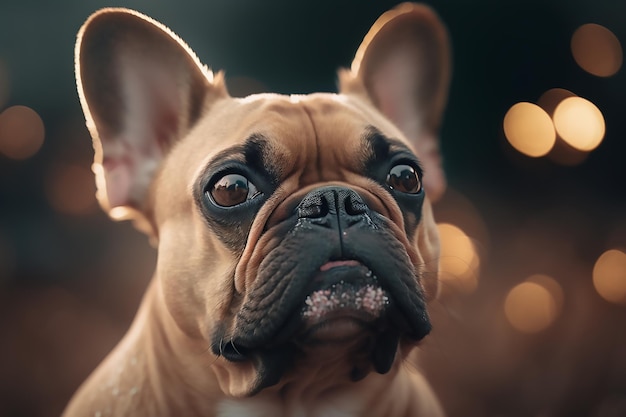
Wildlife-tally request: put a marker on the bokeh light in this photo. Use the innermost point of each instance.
(609, 276)
(456, 208)
(459, 261)
(553, 287)
(561, 153)
(580, 123)
(71, 189)
(530, 307)
(552, 98)
(21, 132)
(529, 129)
(597, 50)
(564, 154)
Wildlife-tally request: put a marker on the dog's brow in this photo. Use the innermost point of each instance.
(380, 146)
(252, 153)
(376, 142)
(254, 150)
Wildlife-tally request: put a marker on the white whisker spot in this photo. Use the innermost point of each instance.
(369, 298)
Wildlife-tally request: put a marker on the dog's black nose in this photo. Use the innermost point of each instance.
(324, 206)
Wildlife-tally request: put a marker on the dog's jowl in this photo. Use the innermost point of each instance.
(297, 249)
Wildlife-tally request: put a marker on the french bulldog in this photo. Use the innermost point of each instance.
(297, 249)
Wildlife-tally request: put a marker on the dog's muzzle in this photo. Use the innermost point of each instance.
(338, 273)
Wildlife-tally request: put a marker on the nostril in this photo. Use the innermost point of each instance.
(354, 205)
(313, 207)
(352, 202)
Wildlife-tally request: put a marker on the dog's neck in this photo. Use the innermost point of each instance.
(154, 368)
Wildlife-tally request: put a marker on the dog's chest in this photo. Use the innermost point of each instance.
(263, 407)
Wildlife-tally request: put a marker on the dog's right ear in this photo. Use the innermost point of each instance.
(141, 89)
(403, 68)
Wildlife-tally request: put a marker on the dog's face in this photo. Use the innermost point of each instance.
(290, 229)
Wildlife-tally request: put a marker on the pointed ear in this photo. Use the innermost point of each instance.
(141, 89)
(403, 68)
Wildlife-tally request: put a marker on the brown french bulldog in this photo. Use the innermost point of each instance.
(296, 245)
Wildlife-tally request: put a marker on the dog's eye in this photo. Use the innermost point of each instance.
(233, 189)
(404, 178)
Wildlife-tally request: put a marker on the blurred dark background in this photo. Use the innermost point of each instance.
(507, 341)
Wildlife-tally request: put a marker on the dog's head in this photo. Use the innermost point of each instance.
(288, 227)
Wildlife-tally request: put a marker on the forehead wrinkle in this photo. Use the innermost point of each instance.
(316, 142)
(337, 126)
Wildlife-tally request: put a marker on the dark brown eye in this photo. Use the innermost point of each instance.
(233, 189)
(404, 178)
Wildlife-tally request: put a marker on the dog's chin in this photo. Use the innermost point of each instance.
(345, 328)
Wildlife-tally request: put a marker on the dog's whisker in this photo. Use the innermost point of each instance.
(235, 348)
(222, 346)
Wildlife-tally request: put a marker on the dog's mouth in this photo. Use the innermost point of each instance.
(339, 301)
(343, 308)
(346, 300)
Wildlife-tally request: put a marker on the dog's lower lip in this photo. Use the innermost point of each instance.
(334, 264)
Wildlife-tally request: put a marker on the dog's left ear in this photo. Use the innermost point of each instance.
(403, 68)
(142, 89)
